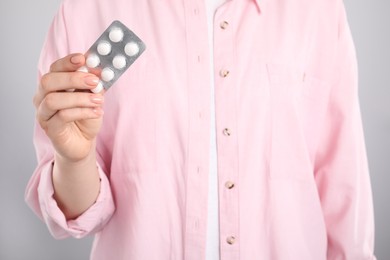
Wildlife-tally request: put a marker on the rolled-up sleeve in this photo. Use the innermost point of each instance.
(39, 191)
(39, 195)
(342, 172)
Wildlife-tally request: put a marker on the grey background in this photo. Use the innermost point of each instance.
(23, 25)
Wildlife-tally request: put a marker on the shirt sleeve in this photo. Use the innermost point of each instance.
(39, 191)
(341, 167)
(39, 196)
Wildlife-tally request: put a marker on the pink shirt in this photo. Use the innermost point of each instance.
(292, 169)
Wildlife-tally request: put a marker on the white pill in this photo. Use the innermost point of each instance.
(119, 62)
(104, 48)
(98, 88)
(131, 49)
(107, 74)
(93, 61)
(116, 34)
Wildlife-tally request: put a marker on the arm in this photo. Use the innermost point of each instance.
(68, 188)
(341, 168)
(71, 120)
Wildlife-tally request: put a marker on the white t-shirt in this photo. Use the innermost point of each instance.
(212, 247)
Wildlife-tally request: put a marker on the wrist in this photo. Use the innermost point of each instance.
(71, 162)
(77, 159)
(69, 167)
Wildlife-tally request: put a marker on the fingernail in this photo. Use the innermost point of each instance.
(77, 59)
(97, 99)
(98, 111)
(91, 80)
(83, 69)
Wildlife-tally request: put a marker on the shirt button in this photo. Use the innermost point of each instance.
(224, 73)
(226, 132)
(229, 185)
(230, 240)
(224, 25)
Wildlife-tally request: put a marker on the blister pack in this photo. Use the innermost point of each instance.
(112, 54)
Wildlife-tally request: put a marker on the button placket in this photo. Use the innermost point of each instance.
(224, 72)
(227, 140)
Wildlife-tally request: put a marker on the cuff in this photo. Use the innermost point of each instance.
(91, 221)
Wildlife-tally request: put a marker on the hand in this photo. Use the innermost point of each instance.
(70, 119)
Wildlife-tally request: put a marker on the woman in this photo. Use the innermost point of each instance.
(236, 134)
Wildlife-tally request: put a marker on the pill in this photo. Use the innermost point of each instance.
(116, 34)
(104, 48)
(99, 87)
(107, 74)
(93, 61)
(131, 49)
(119, 62)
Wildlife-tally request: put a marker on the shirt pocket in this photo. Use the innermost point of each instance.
(290, 155)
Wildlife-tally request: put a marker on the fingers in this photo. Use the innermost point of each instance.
(57, 123)
(69, 63)
(75, 114)
(59, 81)
(69, 115)
(52, 101)
(64, 77)
(58, 101)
